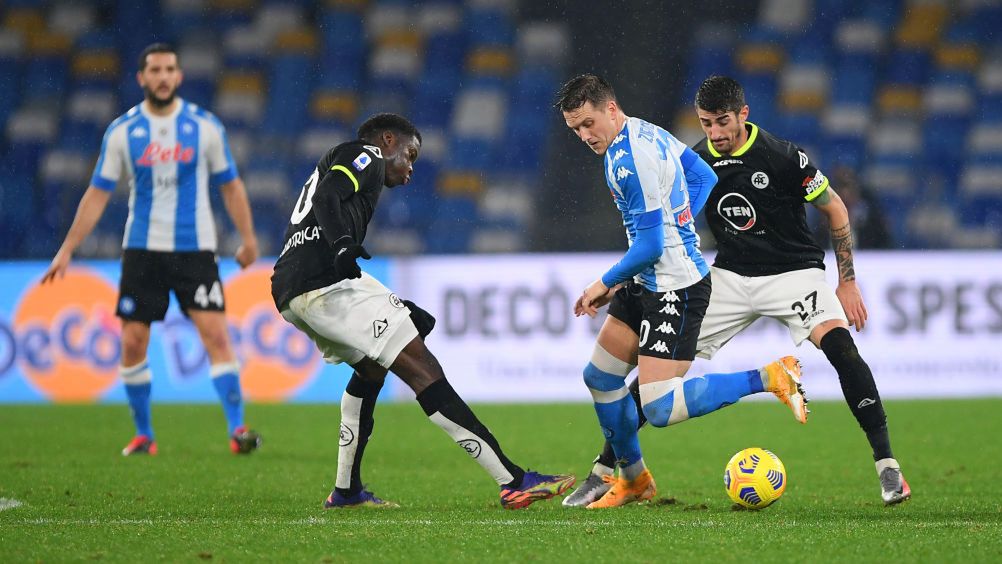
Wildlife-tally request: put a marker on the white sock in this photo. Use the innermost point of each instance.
(632, 471)
(351, 413)
(885, 463)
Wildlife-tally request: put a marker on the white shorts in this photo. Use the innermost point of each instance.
(801, 299)
(354, 319)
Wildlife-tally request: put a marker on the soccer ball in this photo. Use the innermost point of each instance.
(755, 478)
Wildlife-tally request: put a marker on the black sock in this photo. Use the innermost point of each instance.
(446, 409)
(859, 389)
(368, 391)
(608, 457)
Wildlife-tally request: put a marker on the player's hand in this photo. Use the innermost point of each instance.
(852, 302)
(247, 253)
(596, 295)
(344, 260)
(57, 268)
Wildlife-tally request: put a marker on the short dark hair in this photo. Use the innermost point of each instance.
(156, 48)
(377, 124)
(581, 89)
(720, 94)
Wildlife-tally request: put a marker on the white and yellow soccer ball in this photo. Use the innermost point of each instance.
(755, 478)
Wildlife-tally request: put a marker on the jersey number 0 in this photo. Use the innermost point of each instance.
(305, 202)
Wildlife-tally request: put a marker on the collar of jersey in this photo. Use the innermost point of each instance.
(752, 135)
(172, 115)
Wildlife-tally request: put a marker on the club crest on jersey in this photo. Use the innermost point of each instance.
(737, 211)
(361, 161)
(155, 153)
(760, 180)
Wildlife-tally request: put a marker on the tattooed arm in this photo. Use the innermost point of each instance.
(830, 204)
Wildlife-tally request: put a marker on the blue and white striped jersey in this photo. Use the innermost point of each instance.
(644, 173)
(170, 162)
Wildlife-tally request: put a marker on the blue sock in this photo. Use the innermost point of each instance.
(226, 380)
(617, 413)
(137, 381)
(699, 395)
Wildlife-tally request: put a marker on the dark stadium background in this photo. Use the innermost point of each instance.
(896, 100)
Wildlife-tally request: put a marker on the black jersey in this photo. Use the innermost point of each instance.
(353, 173)
(756, 210)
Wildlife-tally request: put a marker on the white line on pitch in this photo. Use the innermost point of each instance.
(8, 503)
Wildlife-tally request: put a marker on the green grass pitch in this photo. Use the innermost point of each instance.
(81, 500)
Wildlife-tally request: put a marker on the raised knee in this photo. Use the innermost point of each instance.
(656, 416)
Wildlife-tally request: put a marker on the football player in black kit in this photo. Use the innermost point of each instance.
(353, 318)
(768, 264)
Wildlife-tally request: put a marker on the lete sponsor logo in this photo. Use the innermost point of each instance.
(155, 153)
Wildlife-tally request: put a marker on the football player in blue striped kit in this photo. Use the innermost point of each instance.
(170, 151)
(657, 293)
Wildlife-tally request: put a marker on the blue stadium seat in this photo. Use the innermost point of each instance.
(289, 94)
(454, 224)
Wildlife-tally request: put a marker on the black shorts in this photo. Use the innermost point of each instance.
(667, 323)
(149, 276)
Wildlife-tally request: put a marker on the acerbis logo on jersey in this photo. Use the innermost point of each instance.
(737, 211)
(375, 150)
(760, 180)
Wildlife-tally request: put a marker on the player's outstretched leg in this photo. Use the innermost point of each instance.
(861, 394)
(357, 406)
(667, 402)
(138, 381)
(420, 370)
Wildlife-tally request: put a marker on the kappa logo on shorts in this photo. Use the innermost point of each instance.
(396, 302)
(379, 327)
(666, 329)
(660, 347)
(346, 436)
(670, 297)
(670, 309)
(471, 446)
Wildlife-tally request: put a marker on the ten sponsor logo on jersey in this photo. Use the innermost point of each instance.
(737, 211)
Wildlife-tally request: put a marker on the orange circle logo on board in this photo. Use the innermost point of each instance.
(69, 336)
(277, 359)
